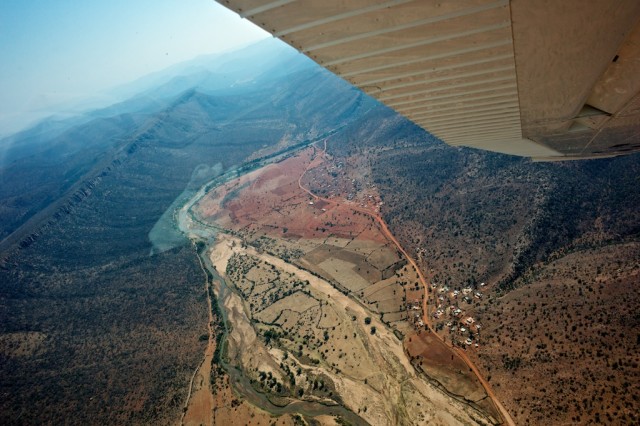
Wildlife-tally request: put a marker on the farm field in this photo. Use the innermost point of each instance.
(267, 209)
(329, 307)
(309, 341)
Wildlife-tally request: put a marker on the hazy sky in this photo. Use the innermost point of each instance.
(53, 51)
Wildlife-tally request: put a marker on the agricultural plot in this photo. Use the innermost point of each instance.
(346, 247)
(300, 322)
(321, 345)
(328, 335)
(345, 273)
(294, 307)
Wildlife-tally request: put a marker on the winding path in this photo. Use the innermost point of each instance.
(385, 229)
(198, 406)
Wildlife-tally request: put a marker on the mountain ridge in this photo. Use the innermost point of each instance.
(84, 288)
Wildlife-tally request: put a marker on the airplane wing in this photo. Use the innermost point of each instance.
(546, 79)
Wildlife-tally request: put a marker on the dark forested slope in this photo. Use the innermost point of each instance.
(94, 328)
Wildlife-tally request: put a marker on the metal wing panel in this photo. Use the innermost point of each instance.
(506, 76)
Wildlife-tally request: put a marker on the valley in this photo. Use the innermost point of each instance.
(102, 303)
(325, 304)
(281, 249)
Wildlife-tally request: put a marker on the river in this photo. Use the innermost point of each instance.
(194, 228)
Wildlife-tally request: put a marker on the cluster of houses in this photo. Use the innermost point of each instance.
(458, 323)
(466, 294)
(466, 327)
(414, 310)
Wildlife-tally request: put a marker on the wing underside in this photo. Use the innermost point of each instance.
(550, 80)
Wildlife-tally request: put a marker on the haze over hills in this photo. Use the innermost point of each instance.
(94, 328)
(102, 305)
(204, 102)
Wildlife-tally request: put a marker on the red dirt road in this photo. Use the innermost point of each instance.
(385, 229)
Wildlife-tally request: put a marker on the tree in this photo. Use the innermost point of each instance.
(367, 320)
(373, 330)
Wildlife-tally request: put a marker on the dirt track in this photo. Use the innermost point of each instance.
(411, 392)
(199, 402)
(385, 229)
(399, 385)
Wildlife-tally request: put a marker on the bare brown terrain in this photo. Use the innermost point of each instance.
(574, 317)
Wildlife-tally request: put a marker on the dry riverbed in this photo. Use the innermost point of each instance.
(329, 338)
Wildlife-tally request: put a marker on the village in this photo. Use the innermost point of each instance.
(449, 311)
(448, 308)
(338, 180)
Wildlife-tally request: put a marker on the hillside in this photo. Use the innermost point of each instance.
(103, 313)
(554, 245)
(94, 328)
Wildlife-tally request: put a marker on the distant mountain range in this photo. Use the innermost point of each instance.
(101, 303)
(202, 99)
(81, 299)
